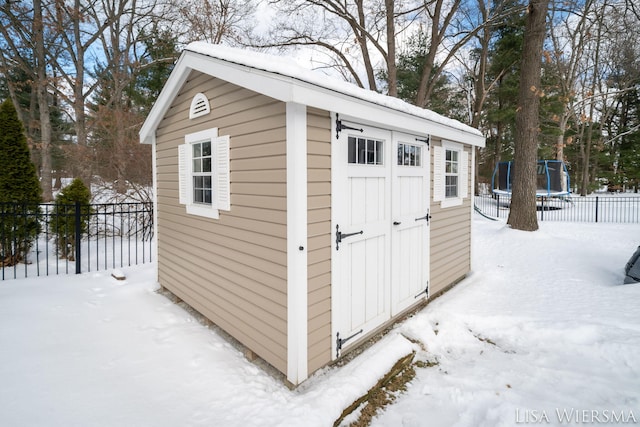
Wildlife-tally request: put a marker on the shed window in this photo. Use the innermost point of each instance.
(365, 151)
(203, 163)
(450, 174)
(409, 155)
(451, 167)
(202, 172)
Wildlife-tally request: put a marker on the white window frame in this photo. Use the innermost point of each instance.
(440, 174)
(414, 158)
(452, 170)
(220, 186)
(371, 153)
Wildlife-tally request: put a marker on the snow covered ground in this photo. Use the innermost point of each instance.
(541, 328)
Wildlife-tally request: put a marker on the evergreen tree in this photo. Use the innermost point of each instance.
(621, 147)
(444, 99)
(20, 190)
(63, 225)
(155, 67)
(18, 180)
(504, 68)
(551, 107)
(4, 86)
(502, 104)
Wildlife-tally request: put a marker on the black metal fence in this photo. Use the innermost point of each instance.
(48, 239)
(609, 209)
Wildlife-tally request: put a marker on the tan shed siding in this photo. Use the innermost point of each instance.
(319, 238)
(232, 270)
(450, 238)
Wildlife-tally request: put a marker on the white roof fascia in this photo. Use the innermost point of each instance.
(175, 81)
(291, 89)
(377, 115)
(251, 78)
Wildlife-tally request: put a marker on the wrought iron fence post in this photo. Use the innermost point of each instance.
(78, 238)
(596, 208)
(497, 206)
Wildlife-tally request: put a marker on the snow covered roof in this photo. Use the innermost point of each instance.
(291, 82)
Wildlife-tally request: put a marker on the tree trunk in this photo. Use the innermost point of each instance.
(479, 85)
(586, 161)
(392, 71)
(522, 215)
(43, 101)
(562, 128)
(361, 37)
(83, 166)
(424, 90)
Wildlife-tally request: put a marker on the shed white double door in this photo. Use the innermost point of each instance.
(381, 235)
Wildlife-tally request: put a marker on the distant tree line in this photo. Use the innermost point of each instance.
(83, 74)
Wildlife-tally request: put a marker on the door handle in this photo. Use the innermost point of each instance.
(340, 235)
(396, 223)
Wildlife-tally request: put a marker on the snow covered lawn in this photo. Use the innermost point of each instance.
(542, 327)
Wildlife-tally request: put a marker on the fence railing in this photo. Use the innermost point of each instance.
(609, 209)
(48, 239)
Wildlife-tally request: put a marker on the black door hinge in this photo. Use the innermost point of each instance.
(427, 217)
(426, 140)
(340, 235)
(340, 127)
(340, 341)
(426, 291)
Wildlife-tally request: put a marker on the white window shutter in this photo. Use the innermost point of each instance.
(223, 175)
(463, 180)
(184, 159)
(438, 173)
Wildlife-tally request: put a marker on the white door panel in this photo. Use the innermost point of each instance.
(380, 251)
(410, 233)
(363, 259)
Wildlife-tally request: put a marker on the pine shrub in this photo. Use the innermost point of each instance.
(63, 218)
(20, 192)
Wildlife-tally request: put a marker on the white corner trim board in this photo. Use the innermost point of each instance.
(296, 149)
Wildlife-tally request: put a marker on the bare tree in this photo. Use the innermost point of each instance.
(440, 16)
(568, 34)
(596, 94)
(214, 21)
(475, 58)
(352, 35)
(111, 121)
(79, 24)
(475, 65)
(522, 215)
(362, 37)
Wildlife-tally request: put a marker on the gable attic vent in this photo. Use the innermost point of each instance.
(199, 106)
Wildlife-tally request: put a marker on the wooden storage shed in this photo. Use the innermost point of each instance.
(299, 213)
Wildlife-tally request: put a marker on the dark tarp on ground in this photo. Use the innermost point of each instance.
(632, 269)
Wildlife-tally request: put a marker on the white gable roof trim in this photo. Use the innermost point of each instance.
(283, 79)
